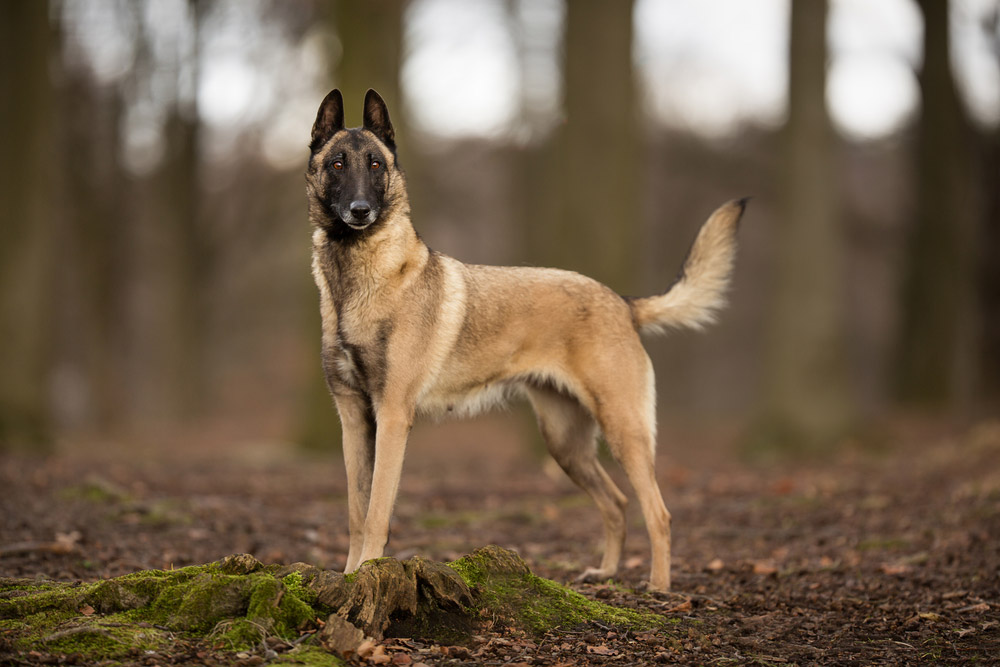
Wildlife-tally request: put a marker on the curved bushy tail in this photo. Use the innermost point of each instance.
(700, 289)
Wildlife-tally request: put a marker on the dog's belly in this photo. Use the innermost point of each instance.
(447, 399)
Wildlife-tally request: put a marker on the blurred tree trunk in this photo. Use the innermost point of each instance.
(809, 403)
(989, 273)
(370, 38)
(989, 265)
(934, 326)
(93, 263)
(189, 259)
(27, 184)
(594, 167)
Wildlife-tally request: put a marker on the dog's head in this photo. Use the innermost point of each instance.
(352, 179)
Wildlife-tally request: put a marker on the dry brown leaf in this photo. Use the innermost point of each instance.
(601, 649)
(764, 567)
(86, 610)
(715, 565)
(895, 569)
(365, 649)
(681, 606)
(379, 656)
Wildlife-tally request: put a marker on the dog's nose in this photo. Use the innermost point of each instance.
(360, 209)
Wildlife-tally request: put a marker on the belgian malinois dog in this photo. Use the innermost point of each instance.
(410, 331)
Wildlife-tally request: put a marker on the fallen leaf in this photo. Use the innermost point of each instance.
(894, 569)
(66, 542)
(683, 606)
(402, 659)
(764, 567)
(601, 650)
(930, 616)
(715, 565)
(365, 649)
(461, 652)
(86, 610)
(976, 608)
(379, 656)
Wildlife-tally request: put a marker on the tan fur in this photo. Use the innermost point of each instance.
(694, 300)
(409, 331)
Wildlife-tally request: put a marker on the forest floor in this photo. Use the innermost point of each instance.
(884, 555)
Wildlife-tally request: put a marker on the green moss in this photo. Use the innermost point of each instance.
(93, 642)
(96, 490)
(295, 585)
(309, 656)
(18, 601)
(538, 605)
(237, 635)
(883, 544)
(550, 605)
(238, 603)
(276, 608)
(127, 610)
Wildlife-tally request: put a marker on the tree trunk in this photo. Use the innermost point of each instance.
(934, 325)
(808, 396)
(189, 251)
(26, 230)
(92, 255)
(593, 169)
(989, 264)
(370, 36)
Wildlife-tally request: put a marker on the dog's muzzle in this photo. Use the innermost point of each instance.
(359, 215)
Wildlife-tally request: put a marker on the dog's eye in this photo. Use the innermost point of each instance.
(376, 164)
(338, 165)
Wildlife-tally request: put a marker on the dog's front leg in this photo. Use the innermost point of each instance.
(358, 425)
(390, 445)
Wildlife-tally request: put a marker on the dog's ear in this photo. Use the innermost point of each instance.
(329, 120)
(377, 119)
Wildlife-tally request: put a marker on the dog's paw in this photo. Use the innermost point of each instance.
(661, 590)
(594, 575)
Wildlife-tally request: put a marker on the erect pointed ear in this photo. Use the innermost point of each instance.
(377, 119)
(329, 119)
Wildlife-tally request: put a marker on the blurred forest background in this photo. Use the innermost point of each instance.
(154, 247)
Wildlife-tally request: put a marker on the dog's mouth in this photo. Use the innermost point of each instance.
(356, 224)
(355, 221)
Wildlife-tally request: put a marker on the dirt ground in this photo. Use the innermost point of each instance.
(879, 555)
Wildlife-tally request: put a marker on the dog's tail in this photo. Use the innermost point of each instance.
(700, 289)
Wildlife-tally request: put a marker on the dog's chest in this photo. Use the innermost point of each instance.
(358, 348)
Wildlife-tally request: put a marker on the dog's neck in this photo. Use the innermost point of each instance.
(378, 261)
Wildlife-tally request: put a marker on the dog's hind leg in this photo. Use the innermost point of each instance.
(570, 433)
(629, 433)
(359, 459)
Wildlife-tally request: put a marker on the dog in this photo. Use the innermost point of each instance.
(408, 331)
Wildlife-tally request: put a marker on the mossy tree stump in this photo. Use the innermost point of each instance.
(237, 603)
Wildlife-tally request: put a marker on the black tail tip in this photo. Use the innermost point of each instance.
(742, 203)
